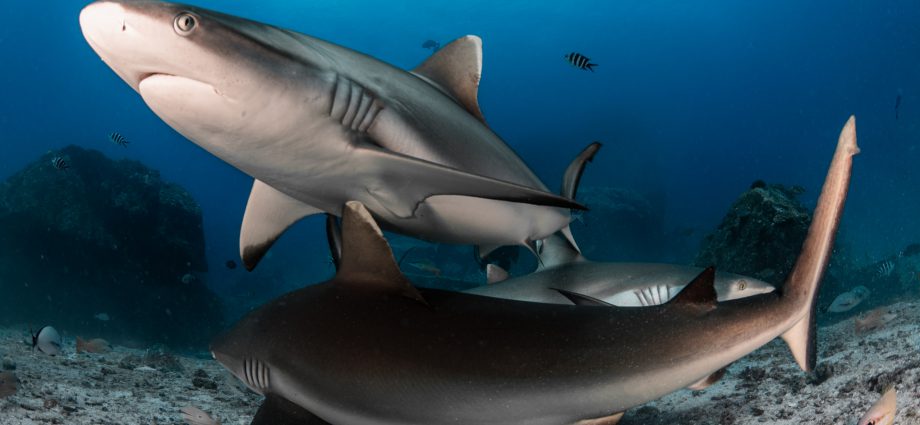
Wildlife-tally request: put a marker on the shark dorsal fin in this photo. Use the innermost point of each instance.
(367, 261)
(268, 214)
(582, 299)
(456, 70)
(701, 291)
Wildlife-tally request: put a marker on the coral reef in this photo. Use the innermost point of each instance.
(108, 237)
(761, 235)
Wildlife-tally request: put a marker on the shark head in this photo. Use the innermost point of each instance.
(215, 78)
(239, 353)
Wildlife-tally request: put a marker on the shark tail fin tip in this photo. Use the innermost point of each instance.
(801, 341)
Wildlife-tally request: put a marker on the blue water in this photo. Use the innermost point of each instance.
(693, 100)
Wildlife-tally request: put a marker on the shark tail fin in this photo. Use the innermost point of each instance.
(802, 286)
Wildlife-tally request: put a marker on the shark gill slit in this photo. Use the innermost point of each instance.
(353, 106)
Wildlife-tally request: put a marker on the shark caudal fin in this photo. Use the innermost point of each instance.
(802, 285)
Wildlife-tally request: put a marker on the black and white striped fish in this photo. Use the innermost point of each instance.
(580, 61)
(59, 163)
(885, 269)
(118, 139)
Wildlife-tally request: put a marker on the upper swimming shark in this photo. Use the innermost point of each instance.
(366, 347)
(318, 124)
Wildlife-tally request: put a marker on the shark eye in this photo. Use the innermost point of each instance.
(742, 285)
(185, 23)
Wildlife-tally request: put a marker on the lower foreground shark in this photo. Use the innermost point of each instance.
(368, 348)
(318, 124)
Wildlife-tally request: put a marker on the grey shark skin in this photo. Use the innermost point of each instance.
(619, 284)
(318, 125)
(368, 348)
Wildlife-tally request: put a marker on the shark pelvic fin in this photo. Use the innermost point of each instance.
(572, 176)
(367, 261)
(559, 249)
(701, 291)
(456, 69)
(423, 179)
(707, 382)
(268, 214)
(276, 410)
(495, 274)
(582, 299)
(613, 419)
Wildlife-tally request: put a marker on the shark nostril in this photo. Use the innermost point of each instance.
(123, 26)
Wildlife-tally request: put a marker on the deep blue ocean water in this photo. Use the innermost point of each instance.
(693, 100)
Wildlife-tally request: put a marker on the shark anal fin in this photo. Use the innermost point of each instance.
(268, 214)
(276, 410)
(573, 173)
(581, 299)
(701, 291)
(613, 419)
(456, 70)
(420, 179)
(495, 274)
(367, 261)
(706, 382)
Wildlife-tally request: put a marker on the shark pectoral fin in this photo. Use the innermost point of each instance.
(700, 292)
(420, 179)
(276, 410)
(573, 173)
(495, 274)
(268, 214)
(367, 260)
(613, 419)
(582, 299)
(456, 69)
(706, 382)
(801, 341)
(334, 239)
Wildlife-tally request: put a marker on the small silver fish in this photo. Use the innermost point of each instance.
(431, 44)
(118, 139)
(59, 163)
(849, 300)
(104, 317)
(195, 416)
(47, 340)
(580, 61)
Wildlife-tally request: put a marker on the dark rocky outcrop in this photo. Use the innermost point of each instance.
(107, 237)
(761, 235)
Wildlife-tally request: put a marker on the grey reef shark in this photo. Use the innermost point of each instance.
(317, 125)
(366, 347)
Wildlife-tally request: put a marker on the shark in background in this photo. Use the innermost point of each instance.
(317, 125)
(372, 349)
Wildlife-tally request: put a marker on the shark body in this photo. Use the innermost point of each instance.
(317, 125)
(368, 348)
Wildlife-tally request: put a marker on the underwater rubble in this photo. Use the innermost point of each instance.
(106, 249)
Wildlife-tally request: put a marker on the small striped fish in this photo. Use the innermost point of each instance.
(580, 61)
(885, 269)
(59, 163)
(118, 139)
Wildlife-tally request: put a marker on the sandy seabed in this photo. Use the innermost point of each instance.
(128, 386)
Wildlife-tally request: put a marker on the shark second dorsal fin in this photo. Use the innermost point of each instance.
(456, 69)
(495, 274)
(367, 261)
(268, 214)
(701, 291)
